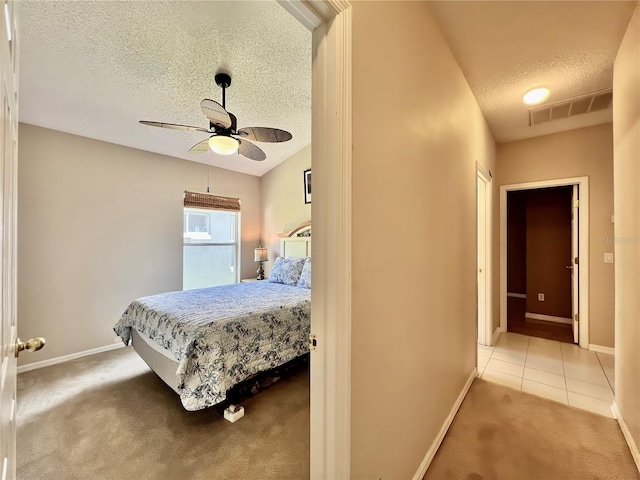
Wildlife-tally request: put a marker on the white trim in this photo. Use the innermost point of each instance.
(635, 453)
(602, 349)
(486, 174)
(584, 247)
(428, 458)
(517, 295)
(548, 318)
(496, 337)
(302, 12)
(330, 418)
(65, 358)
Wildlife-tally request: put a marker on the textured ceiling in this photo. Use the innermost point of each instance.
(94, 68)
(505, 48)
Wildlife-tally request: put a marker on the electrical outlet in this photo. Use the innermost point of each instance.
(541, 297)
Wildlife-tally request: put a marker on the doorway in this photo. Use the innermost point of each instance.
(539, 263)
(330, 419)
(527, 306)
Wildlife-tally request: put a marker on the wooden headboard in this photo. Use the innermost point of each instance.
(297, 242)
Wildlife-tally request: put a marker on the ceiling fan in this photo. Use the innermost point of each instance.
(226, 139)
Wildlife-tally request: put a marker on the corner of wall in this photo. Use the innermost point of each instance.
(282, 201)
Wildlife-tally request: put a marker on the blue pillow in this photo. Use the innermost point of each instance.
(286, 270)
(305, 276)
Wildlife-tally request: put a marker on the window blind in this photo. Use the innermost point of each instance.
(211, 202)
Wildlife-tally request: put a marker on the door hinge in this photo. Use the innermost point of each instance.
(577, 317)
(576, 204)
(313, 342)
(576, 260)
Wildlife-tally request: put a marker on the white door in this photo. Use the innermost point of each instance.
(575, 264)
(484, 259)
(8, 234)
(482, 279)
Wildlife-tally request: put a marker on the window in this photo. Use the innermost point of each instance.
(210, 249)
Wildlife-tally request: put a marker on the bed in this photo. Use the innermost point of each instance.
(203, 342)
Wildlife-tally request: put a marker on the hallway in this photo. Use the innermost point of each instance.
(557, 371)
(502, 434)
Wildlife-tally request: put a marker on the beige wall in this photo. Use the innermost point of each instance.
(283, 206)
(100, 225)
(626, 140)
(583, 152)
(548, 251)
(417, 134)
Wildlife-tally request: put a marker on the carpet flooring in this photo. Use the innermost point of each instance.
(108, 416)
(501, 433)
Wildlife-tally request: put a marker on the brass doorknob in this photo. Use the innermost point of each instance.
(33, 345)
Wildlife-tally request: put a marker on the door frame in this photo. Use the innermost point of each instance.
(330, 372)
(485, 319)
(583, 234)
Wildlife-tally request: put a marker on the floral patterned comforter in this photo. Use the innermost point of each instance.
(221, 336)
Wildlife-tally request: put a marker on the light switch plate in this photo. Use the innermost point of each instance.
(608, 258)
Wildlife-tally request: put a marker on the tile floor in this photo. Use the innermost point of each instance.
(558, 371)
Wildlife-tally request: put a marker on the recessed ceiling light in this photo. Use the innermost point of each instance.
(535, 96)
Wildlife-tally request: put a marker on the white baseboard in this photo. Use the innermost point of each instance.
(516, 295)
(548, 318)
(602, 349)
(496, 336)
(65, 358)
(422, 470)
(635, 453)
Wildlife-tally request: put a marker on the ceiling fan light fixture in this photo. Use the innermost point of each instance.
(535, 96)
(223, 144)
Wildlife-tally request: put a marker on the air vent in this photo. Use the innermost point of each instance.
(570, 108)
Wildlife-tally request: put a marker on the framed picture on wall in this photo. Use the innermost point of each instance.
(307, 186)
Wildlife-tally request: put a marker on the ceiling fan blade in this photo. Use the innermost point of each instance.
(174, 126)
(200, 147)
(251, 151)
(216, 113)
(265, 134)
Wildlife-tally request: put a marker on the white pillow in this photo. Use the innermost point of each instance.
(305, 275)
(286, 270)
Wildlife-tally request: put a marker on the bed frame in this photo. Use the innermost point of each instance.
(297, 242)
(160, 363)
